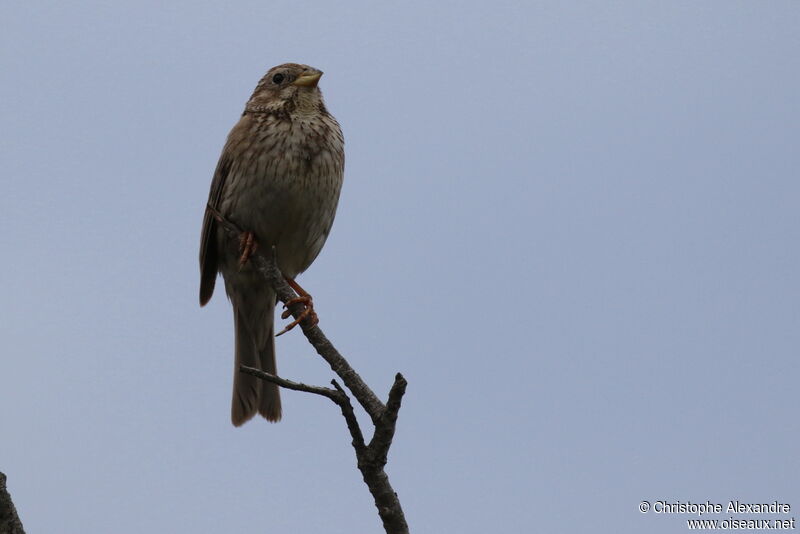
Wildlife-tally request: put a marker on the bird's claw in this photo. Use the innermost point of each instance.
(248, 245)
(308, 314)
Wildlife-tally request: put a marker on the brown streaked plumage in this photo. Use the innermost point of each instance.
(279, 176)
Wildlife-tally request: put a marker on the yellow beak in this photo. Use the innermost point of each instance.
(308, 80)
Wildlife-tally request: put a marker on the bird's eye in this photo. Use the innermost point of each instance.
(278, 78)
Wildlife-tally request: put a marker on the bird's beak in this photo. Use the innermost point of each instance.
(309, 79)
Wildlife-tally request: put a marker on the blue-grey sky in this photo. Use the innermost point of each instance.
(573, 226)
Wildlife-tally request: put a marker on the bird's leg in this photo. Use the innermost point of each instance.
(304, 298)
(248, 245)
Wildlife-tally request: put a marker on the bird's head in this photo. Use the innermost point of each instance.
(288, 88)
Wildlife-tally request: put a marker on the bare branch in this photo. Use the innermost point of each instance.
(338, 396)
(352, 423)
(288, 384)
(371, 458)
(9, 520)
(384, 431)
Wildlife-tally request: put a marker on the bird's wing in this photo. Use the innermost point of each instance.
(209, 256)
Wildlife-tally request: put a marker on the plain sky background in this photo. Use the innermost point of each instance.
(573, 226)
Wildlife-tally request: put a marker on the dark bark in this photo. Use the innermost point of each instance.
(9, 520)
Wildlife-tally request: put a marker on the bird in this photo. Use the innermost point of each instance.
(278, 179)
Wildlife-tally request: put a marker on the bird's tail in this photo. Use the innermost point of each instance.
(255, 347)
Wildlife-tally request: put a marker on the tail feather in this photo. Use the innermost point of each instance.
(270, 405)
(245, 387)
(252, 395)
